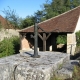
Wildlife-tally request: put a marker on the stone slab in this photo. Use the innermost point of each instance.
(24, 67)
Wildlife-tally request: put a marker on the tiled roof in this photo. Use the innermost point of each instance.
(5, 24)
(65, 22)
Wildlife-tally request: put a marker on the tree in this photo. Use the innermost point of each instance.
(10, 45)
(50, 9)
(12, 18)
(40, 15)
(75, 3)
(28, 21)
(56, 7)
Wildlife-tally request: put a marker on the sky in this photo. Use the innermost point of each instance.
(23, 8)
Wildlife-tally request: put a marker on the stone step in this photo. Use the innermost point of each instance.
(67, 69)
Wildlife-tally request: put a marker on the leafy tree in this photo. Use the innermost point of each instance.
(56, 7)
(28, 21)
(40, 15)
(75, 3)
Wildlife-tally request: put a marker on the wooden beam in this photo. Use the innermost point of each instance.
(40, 36)
(48, 36)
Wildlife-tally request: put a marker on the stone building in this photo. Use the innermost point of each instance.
(7, 29)
(67, 24)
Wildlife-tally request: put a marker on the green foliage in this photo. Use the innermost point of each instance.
(6, 47)
(9, 46)
(28, 21)
(40, 15)
(16, 44)
(75, 3)
(62, 39)
(56, 7)
(78, 38)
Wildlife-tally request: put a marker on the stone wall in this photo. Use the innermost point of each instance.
(25, 44)
(71, 43)
(8, 33)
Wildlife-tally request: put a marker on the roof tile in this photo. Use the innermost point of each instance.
(5, 24)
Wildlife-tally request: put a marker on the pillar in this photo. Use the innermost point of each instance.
(24, 44)
(71, 43)
(44, 41)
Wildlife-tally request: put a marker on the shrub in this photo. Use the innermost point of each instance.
(16, 43)
(6, 47)
(78, 38)
(9, 46)
(61, 39)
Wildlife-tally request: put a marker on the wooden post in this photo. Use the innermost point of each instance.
(35, 41)
(44, 38)
(44, 41)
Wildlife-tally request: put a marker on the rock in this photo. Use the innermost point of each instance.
(66, 70)
(24, 67)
